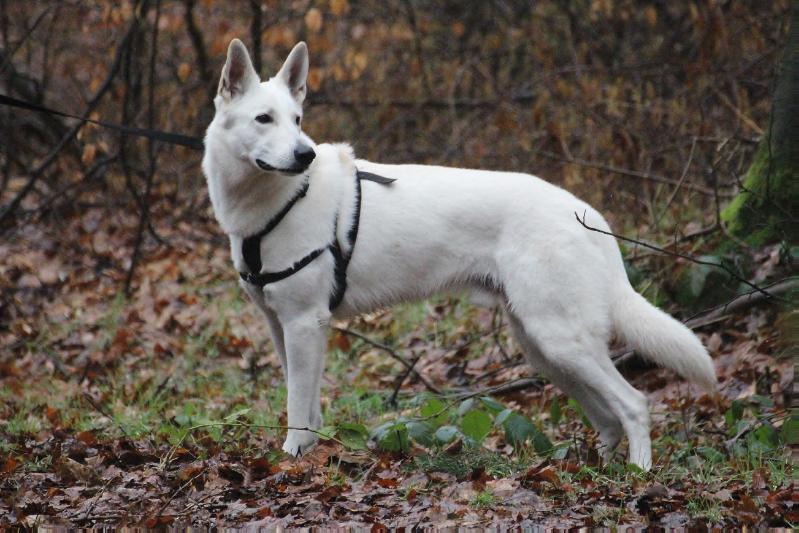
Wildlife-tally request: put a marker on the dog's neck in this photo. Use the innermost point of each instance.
(244, 198)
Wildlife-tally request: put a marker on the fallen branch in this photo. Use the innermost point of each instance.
(743, 301)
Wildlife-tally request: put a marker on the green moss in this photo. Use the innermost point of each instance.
(762, 213)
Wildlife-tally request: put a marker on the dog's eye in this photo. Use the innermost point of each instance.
(297, 120)
(263, 119)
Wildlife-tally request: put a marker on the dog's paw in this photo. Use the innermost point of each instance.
(299, 441)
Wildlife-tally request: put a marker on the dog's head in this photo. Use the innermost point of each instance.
(263, 120)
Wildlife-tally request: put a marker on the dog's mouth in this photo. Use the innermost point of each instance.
(263, 165)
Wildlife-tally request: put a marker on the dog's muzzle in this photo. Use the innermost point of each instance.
(303, 158)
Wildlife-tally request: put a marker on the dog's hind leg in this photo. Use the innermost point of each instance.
(604, 421)
(575, 356)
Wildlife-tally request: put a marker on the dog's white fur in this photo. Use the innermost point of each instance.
(512, 235)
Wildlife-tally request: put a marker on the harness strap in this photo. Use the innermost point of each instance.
(341, 259)
(251, 246)
(265, 278)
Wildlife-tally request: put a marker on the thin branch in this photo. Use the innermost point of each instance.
(25, 38)
(145, 205)
(680, 183)
(393, 353)
(514, 385)
(675, 254)
(37, 172)
(693, 235)
(256, 25)
(198, 43)
(400, 380)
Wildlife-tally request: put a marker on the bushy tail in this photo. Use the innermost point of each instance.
(662, 339)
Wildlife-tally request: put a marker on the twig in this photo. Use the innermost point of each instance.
(22, 41)
(145, 205)
(95, 499)
(497, 329)
(399, 381)
(390, 351)
(177, 491)
(37, 172)
(680, 183)
(510, 386)
(698, 233)
(513, 385)
(676, 254)
(509, 364)
(738, 113)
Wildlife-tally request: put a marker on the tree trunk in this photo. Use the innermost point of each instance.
(766, 210)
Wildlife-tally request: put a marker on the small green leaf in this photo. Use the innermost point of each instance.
(392, 436)
(518, 429)
(560, 453)
(465, 406)
(502, 417)
(766, 436)
(541, 443)
(790, 430)
(762, 400)
(492, 405)
(445, 434)
(327, 432)
(711, 455)
(733, 415)
(476, 424)
(421, 432)
(435, 411)
(354, 436)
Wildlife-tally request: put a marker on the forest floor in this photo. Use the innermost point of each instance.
(165, 408)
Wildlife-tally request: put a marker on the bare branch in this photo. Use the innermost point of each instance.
(722, 266)
(37, 172)
(393, 353)
(151, 155)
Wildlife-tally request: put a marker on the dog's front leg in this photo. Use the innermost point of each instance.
(305, 351)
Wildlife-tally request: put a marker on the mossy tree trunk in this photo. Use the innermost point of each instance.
(767, 210)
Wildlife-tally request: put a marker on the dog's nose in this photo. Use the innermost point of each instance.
(304, 155)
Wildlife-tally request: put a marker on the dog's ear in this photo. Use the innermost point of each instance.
(238, 74)
(294, 71)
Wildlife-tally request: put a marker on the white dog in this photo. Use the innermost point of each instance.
(314, 239)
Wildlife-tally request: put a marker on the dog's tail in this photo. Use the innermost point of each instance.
(660, 338)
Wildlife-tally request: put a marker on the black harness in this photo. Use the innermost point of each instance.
(251, 246)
